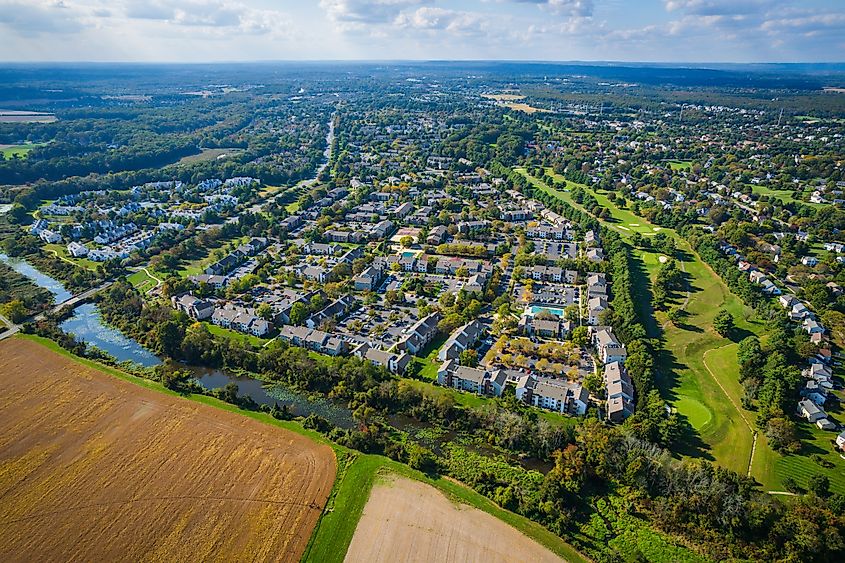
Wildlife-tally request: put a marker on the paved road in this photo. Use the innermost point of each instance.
(12, 328)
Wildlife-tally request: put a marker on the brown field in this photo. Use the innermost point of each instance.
(94, 468)
(405, 520)
(210, 154)
(526, 108)
(503, 97)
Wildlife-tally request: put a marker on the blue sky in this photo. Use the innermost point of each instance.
(245, 30)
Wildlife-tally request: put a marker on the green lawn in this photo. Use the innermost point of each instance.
(21, 151)
(142, 281)
(679, 164)
(61, 252)
(196, 266)
(427, 360)
(466, 399)
(802, 466)
(786, 196)
(235, 335)
(292, 207)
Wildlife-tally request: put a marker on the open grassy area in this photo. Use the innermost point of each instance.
(142, 281)
(19, 151)
(61, 252)
(427, 360)
(235, 335)
(786, 196)
(210, 154)
(679, 164)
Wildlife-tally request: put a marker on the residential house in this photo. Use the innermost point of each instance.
(392, 361)
(418, 335)
(369, 279)
(194, 307)
(77, 250)
(553, 394)
(608, 346)
(808, 409)
(436, 235)
(620, 392)
(462, 338)
(473, 380)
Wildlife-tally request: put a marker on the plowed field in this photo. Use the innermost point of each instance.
(94, 468)
(409, 521)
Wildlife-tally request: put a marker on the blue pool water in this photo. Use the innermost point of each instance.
(537, 308)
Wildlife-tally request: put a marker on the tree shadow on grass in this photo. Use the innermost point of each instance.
(690, 442)
(737, 335)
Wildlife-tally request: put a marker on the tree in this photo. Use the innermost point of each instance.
(819, 485)
(723, 323)
(675, 314)
(579, 335)
(406, 241)
(421, 459)
(298, 313)
(780, 431)
(15, 310)
(468, 358)
(265, 311)
(229, 393)
(169, 336)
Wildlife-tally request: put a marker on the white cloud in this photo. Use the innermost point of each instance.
(573, 8)
(35, 17)
(368, 11)
(439, 19)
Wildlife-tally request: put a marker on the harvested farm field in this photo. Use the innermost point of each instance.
(406, 520)
(95, 468)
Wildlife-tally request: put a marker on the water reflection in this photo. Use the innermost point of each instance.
(87, 326)
(271, 394)
(60, 294)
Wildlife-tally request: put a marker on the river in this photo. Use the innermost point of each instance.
(274, 393)
(85, 324)
(60, 294)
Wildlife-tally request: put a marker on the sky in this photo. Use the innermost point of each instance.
(549, 30)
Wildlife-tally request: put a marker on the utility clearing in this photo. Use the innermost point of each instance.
(95, 468)
(406, 520)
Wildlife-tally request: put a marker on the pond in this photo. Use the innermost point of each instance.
(60, 294)
(87, 326)
(270, 394)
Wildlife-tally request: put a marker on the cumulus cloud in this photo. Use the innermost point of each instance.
(574, 8)
(439, 19)
(368, 11)
(720, 7)
(233, 16)
(34, 17)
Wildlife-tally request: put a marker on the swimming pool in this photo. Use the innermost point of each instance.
(554, 311)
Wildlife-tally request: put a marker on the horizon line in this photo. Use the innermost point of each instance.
(688, 64)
